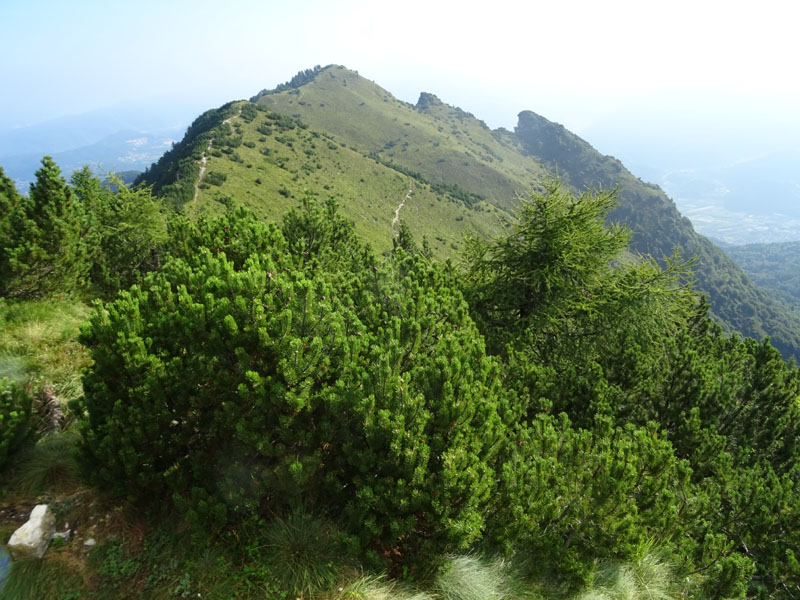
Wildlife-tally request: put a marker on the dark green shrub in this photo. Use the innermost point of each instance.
(249, 112)
(571, 497)
(422, 449)
(207, 360)
(128, 230)
(237, 234)
(215, 178)
(16, 423)
(236, 385)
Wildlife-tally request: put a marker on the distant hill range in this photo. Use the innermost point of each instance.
(117, 138)
(123, 152)
(330, 132)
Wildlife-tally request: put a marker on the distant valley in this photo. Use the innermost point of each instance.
(124, 151)
(750, 202)
(120, 138)
(738, 185)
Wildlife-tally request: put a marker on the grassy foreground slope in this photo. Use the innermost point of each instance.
(335, 133)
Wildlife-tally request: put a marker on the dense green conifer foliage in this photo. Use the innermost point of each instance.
(702, 427)
(16, 423)
(573, 495)
(235, 388)
(237, 235)
(9, 199)
(92, 235)
(322, 238)
(557, 397)
(125, 229)
(45, 249)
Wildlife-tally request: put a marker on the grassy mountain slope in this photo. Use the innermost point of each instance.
(268, 162)
(444, 144)
(342, 135)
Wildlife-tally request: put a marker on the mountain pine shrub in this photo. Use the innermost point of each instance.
(570, 496)
(237, 386)
(237, 234)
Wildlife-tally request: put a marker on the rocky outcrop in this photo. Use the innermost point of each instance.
(428, 100)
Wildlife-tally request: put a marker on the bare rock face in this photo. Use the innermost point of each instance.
(31, 540)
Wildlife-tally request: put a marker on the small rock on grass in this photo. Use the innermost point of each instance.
(32, 539)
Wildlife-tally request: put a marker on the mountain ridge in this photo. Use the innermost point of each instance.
(452, 155)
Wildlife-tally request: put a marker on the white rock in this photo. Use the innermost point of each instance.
(32, 539)
(89, 542)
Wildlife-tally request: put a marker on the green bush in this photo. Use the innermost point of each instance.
(16, 423)
(570, 496)
(236, 385)
(215, 178)
(126, 233)
(238, 234)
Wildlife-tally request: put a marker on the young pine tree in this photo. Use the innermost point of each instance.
(45, 251)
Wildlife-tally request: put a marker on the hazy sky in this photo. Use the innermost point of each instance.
(575, 62)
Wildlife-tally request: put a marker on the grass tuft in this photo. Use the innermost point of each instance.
(647, 579)
(48, 466)
(303, 552)
(470, 578)
(52, 577)
(474, 578)
(372, 587)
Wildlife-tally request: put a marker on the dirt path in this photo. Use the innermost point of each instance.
(204, 158)
(397, 210)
